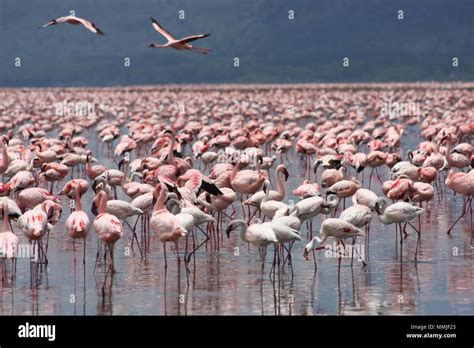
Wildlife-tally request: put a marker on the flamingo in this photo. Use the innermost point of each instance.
(338, 229)
(75, 21)
(164, 224)
(462, 183)
(278, 195)
(267, 205)
(34, 223)
(31, 197)
(108, 227)
(457, 159)
(8, 240)
(306, 189)
(180, 44)
(78, 224)
(398, 213)
(257, 233)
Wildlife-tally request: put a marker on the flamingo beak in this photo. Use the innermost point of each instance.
(305, 254)
(227, 231)
(285, 172)
(377, 208)
(315, 167)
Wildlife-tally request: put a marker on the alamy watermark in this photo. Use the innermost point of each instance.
(398, 109)
(348, 251)
(23, 251)
(231, 155)
(77, 108)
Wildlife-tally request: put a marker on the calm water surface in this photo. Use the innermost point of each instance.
(223, 283)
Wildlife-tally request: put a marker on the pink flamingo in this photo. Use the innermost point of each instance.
(108, 227)
(462, 183)
(164, 224)
(8, 240)
(78, 223)
(457, 159)
(180, 44)
(76, 21)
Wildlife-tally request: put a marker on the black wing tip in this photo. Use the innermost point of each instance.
(211, 188)
(153, 20)
(206, 35)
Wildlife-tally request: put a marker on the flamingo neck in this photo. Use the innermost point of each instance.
(279, 183)
(448, 149)
(30, 165)
(160, 202)
(89, 162)
(171, 150)
(78, 198)
(5, 227)
(6, 159)
(234, 171)
(102, 203)
(267, 194)
(125, 178)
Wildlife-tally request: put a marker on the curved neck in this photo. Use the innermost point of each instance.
(267, 193)
(241, 227)
(279, 182)
(30, 165)
(160, 202)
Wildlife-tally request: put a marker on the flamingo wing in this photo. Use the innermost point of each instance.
(90, 26)
(54, 21)
(198, 181)
(161, 30)
(194, 37)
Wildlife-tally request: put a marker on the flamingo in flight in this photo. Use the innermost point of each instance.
(181, 44)
(74, 20)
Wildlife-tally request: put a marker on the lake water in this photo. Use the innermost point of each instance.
(232, 282)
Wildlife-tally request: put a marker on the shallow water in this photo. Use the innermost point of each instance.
(224, 283)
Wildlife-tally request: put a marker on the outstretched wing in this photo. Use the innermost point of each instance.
(161, 30)
(89, 25)
(54, 21)
(197, 182)
(194, 37)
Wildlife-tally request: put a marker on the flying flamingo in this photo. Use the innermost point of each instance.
(181, 44)
(75, 20)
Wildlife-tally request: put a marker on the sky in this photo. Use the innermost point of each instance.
(252, 41)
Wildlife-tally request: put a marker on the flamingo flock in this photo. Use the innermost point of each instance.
(236, 161)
